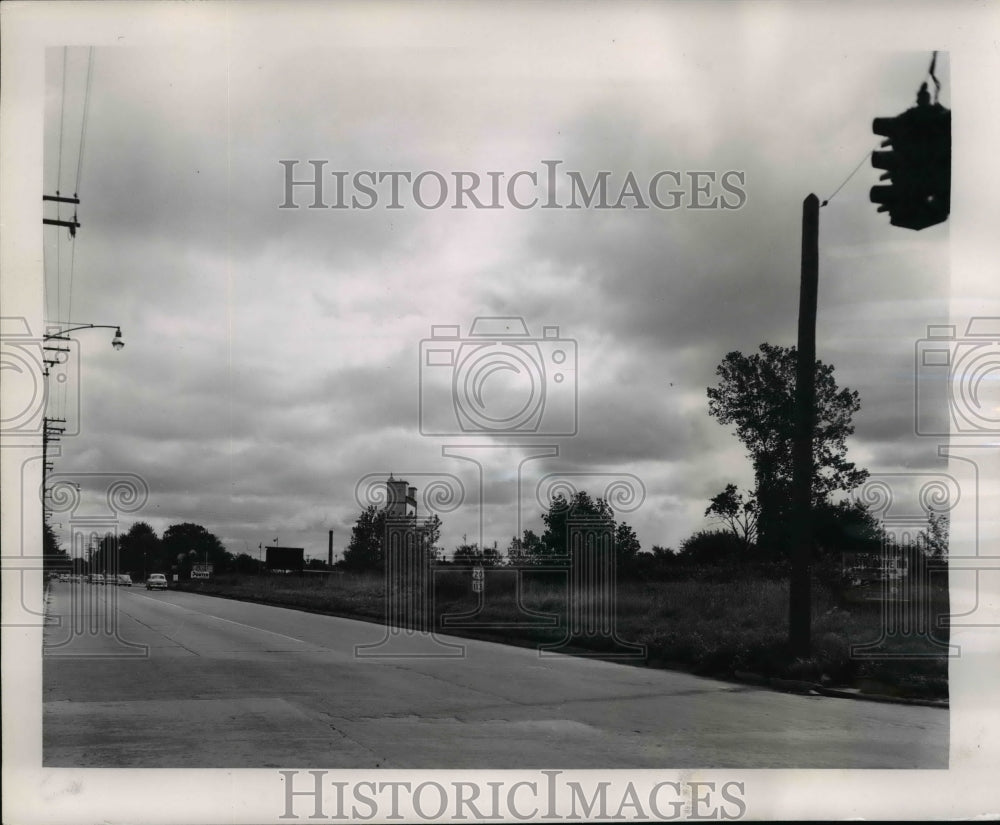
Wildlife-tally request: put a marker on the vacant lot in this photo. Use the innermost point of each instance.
(728, 625)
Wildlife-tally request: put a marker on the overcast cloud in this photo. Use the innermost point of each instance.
(272, 355)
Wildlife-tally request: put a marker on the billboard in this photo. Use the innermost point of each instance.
(285, 558)
(201, 571)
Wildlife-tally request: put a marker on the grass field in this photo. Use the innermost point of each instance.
(721, 628)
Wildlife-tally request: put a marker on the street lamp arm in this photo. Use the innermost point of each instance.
(82, 326)
(60, 334)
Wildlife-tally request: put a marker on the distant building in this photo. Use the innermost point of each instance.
(401, 499)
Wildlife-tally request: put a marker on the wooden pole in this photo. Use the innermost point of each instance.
(799, 601)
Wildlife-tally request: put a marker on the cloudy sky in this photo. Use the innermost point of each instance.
(273, 357)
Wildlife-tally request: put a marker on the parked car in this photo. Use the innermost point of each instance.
(124, 580)
(97, 578)
(156, 581)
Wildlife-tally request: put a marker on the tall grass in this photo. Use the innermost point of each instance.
(719, 627)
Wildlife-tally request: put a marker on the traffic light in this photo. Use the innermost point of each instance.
(917, 164)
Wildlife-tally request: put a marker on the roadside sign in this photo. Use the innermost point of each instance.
(202, 571)
(477, 574)
(477, 585)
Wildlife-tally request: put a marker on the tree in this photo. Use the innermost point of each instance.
(627, 546)
(710, 547)
(187, 544)
(366, 550)
(245, 563)
(846, 527)
(579, 508)
(737, 512)
(525, 550)
(934, 538)
(432, 534)
(142, 551)
(757, 394)
(54, 558)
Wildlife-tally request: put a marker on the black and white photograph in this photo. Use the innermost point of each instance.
(499, 412)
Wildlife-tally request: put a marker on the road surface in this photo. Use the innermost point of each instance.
(180, 680)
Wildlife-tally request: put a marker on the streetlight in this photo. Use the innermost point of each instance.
(61, 333)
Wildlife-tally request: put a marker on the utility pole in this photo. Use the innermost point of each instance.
(72, 225)
(799, 597)
(50, 432)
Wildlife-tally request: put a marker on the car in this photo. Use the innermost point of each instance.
(97, 578)
(156, 581)
(124, 580)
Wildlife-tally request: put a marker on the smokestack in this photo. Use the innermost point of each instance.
(329, 552)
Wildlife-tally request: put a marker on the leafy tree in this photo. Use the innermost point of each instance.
(187, 544)
(245, 563)
(846, 527)
(627, 546)
(711, 547)
(525, 550)
(737, 512)
(432, 534)
(470, 554)
(561, 512)
(467, 554)
(756, 393)
(142, 551)
(54, 558)
(934, 538)
(366, 550)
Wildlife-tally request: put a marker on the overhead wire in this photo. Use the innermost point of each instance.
(868, 154)
(79, 169)
(62, 120)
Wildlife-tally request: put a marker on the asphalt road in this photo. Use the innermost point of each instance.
(176, 680)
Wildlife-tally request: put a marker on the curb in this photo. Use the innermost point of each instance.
(806, 688)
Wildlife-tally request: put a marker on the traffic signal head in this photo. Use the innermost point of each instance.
(917, 163)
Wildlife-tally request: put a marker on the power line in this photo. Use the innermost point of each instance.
(83, 121)
(868, 154)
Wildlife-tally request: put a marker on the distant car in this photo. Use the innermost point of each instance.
(98, 578)
(124, 580)
(156, 581)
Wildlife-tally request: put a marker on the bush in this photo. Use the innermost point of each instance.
(712, 547)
